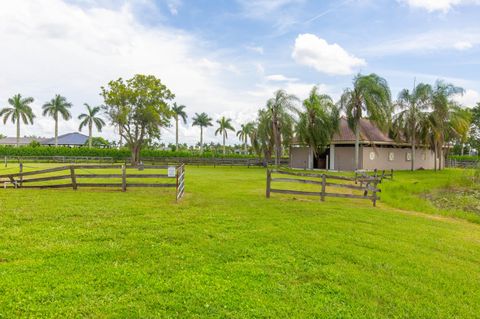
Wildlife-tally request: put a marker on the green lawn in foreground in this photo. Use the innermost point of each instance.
(226, 251)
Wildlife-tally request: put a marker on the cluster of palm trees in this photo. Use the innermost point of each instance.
(203, 121)
(424, 117)
(20, 111)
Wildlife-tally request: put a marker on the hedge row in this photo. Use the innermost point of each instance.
(465, 158)
(101, 152)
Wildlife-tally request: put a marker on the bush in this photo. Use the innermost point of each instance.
(467, 158)
(116, 154)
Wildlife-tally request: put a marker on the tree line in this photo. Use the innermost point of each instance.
(425, 116)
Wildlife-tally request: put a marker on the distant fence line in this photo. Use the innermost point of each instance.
(36, 179)
(454, 163)
(368, 185)
(209, 161)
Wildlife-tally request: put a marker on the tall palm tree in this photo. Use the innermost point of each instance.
(57, 106)
(224, 125)
(244, 133)
(280, 107)
(318, 122)
(89, 119)
(370, 97)
(19, 112)
(178, 113)
(261, 136)
(202, 120)
(413, 108)
(443, 112)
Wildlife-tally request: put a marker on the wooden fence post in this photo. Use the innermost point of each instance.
(374, 194)
(124, 178)
(74, 177)
(324, 182)
(269, 180)
(21, 171)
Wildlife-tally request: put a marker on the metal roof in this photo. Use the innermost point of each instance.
(68, 139)
(22, 140)
(369, 133)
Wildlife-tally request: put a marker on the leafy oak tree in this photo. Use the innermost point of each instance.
(139, 107)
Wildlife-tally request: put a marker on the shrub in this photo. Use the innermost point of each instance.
(101, 152)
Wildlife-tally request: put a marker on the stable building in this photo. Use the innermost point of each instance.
(377, 151)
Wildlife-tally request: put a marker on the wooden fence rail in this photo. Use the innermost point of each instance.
(368, 185)
(70, 172)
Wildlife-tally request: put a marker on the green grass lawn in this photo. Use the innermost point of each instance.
(225, 251)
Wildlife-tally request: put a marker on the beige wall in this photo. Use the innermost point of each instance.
(423, 158)
(345, 158)
(299, 157)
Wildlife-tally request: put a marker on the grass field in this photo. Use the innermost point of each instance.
(227, 252)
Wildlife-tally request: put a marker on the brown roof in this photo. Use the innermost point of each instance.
(369, 133)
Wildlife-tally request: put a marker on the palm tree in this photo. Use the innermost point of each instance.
(443, 112)
(318, 122)
(279, 108)
(224, 124)
(57, 105)
(202, 120)
(413, 108)
(261, 136)
(178, 113)
(19, 112)
(244, 133)
(370, 97)
(90, 118)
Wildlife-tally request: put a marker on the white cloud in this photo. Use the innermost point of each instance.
(85, 47)
(332, 59)
(427, 42)
(173, 6)
(280, 78)
(463, 45)
(438, 5)
(257, 49)
(261, 8)
(469, 98)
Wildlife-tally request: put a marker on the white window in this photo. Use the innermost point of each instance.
(391, 156)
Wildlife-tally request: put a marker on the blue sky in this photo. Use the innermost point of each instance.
(228, 57)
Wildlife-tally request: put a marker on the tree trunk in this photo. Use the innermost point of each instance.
(224, 144)
(357, 145)
(18, 132)
(436, 156)
(413, 152)
(462, 150)
(176, 133)
(201, 139)
(245, 145)
(120, 132)
(135, 154)
(56, 131)
(440, 157)
(90, 135)
(276, 138)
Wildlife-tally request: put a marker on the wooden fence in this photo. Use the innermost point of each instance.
(454, 163)
(198, 161)
(375, 175)
(74, 178)
(368, 185)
